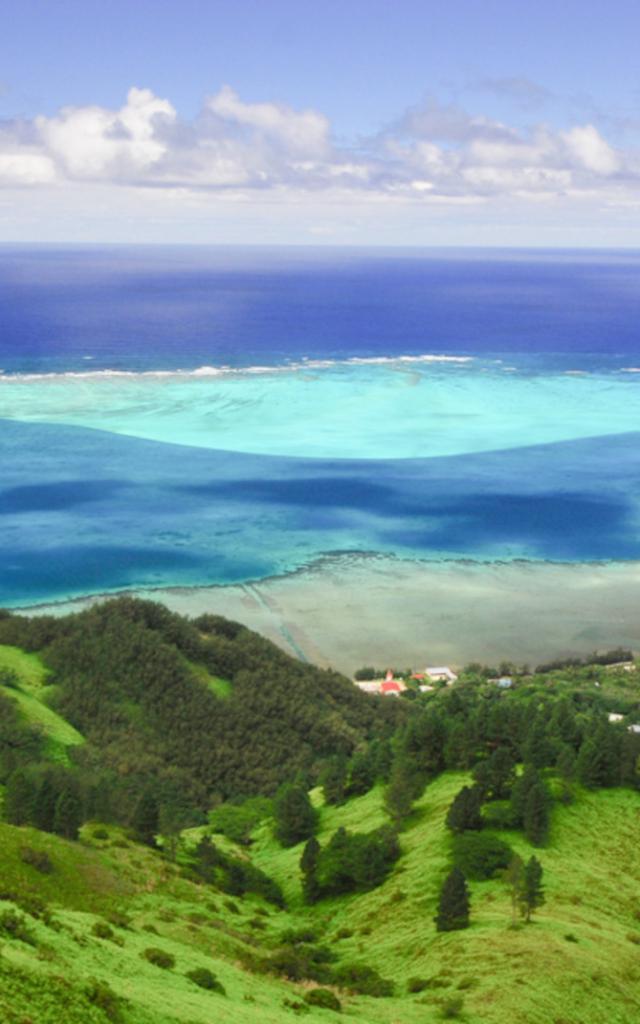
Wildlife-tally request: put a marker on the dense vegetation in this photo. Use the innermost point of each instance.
(139, 684)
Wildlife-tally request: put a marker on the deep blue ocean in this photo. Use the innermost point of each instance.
(187, 416)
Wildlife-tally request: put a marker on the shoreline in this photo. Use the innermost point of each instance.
(348, 610)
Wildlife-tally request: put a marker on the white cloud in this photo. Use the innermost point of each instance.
(591, 151)
(432, 155)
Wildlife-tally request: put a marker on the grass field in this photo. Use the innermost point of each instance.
(578, 963)
(31, 694)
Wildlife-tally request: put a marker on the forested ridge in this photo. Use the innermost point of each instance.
(132, 678)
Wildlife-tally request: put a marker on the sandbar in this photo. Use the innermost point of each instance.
(351, 610)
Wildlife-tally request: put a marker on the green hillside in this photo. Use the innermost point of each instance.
(149, 762)
(578, 963)
(30, 690)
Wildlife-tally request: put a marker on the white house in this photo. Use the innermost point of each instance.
(369, 685)
(441, 674)
(634, 728)
(614, 716)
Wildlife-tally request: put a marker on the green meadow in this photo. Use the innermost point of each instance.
(577, 963)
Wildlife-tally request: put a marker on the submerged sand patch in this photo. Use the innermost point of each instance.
(351, 610)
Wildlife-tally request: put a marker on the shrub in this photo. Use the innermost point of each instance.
(294, 936)
(363, 980)
(100, 833)
(500, 815)
(159, 958)
(14, 926)
(204, 978)
(480, 855)
(100, 994)
(344, 933)
(102, 930)
(38, 859)
(323, 997)
(452, 1008)
(118, 919)
(417, 985)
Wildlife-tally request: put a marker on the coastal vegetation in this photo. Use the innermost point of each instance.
(467, 852)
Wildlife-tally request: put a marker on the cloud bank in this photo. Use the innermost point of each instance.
(433, 153)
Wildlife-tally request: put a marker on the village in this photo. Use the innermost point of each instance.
(393, 684)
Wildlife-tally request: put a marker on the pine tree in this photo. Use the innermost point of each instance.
(406, 784)
(529, 778)
(464, 812)
(598, 762)
(68, 814)
(145, 819)
(362, 773)
(309, 869)
(536, 815)
(453, 906)
(19, 798)
(531, 891)
(513, 876)
(502, 771)
(44, 807)
(295, 817)
(334, 780)
(536, 749)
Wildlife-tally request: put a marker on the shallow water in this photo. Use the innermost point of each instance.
(193, 417)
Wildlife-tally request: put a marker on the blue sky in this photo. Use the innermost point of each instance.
(361, 121)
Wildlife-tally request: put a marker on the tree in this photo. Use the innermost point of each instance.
(145, 819)
(295, 817)
(405, 786)
(453, 906)
(502, 773)
(334, 780)
(44, 807)
(531, 890)
(19, 798)
(536, 747)
(464, 812)
(362, 773)
(536, 815)
(513, 876)
(68, 814)
(529, 778)
(598, 762)
(309, 869)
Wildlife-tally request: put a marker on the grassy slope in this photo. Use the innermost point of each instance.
(31, 695)
(532, 975)
(197, 926)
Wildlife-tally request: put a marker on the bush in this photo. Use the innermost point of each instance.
(363, 980)
(100, 994)
(323, 997)
(452, 1008)
(99, 833)
(38, 859)
(480, 855)
(417, 985)
(303, 961)
(102, 930)
(204, 978)
(500, 815)
(159, 958)
(14, 926)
